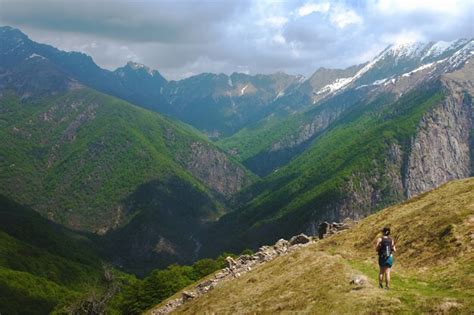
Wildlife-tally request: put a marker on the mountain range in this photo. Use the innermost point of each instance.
(153, 172)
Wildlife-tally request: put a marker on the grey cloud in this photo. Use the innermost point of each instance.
(180, 38)
(135, 21)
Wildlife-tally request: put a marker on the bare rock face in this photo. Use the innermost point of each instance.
(327, 229)
(306, 131)
(440, 149)
(366, 192)
(215, 169)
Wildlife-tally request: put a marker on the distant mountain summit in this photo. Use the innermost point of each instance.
(401, 59)
(218, 104)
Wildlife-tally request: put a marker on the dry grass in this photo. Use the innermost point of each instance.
(433, 271)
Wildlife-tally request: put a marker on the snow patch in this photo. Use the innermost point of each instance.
(336, 85)
(379, 82)
(35, 56)
(280, 94)
(423, 67)
(242, 91)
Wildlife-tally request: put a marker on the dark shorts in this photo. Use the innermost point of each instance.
(386, 262)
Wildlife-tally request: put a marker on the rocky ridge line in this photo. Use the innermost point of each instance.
(245, 263)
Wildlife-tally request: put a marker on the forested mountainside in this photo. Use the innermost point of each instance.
(403, 138)
(43, 266)
(96, 163)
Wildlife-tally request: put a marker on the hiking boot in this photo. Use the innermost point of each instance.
(380, 285)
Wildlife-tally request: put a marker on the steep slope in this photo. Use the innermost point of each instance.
(433, 270)
(42, 265)
(380, 151)
(272, 142)
(95, 163)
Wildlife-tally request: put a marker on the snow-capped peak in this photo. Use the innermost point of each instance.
(420, 55)
(408, 50)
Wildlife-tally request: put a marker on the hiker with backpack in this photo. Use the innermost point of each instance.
(385, 247)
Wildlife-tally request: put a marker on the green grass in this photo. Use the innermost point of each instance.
(418, 295)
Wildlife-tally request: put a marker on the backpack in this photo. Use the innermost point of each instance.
(385, 249)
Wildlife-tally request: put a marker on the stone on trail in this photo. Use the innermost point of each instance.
(359, 280)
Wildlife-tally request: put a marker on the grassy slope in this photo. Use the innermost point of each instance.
(433, 268)
(41, 264)
(116, 147)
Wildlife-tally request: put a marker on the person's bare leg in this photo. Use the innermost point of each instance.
(381, 274)
(387, 277)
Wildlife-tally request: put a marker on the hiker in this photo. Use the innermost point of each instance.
(385, 247)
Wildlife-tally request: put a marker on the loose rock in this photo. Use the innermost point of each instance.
(299, 239)
(359, 280)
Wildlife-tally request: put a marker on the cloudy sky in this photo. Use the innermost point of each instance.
(181, 38)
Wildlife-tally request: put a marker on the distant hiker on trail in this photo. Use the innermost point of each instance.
(385, 247)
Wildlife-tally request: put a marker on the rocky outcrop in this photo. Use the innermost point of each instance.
(366, 192)
(327, 229)
(299, 239)
(215, 169)
(440, 149)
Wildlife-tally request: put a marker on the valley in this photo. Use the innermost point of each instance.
(125, 175)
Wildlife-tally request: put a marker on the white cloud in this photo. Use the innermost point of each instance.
(274, 21)
(400, 6)
(341, 17)
(279, 39)
(310, 8)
